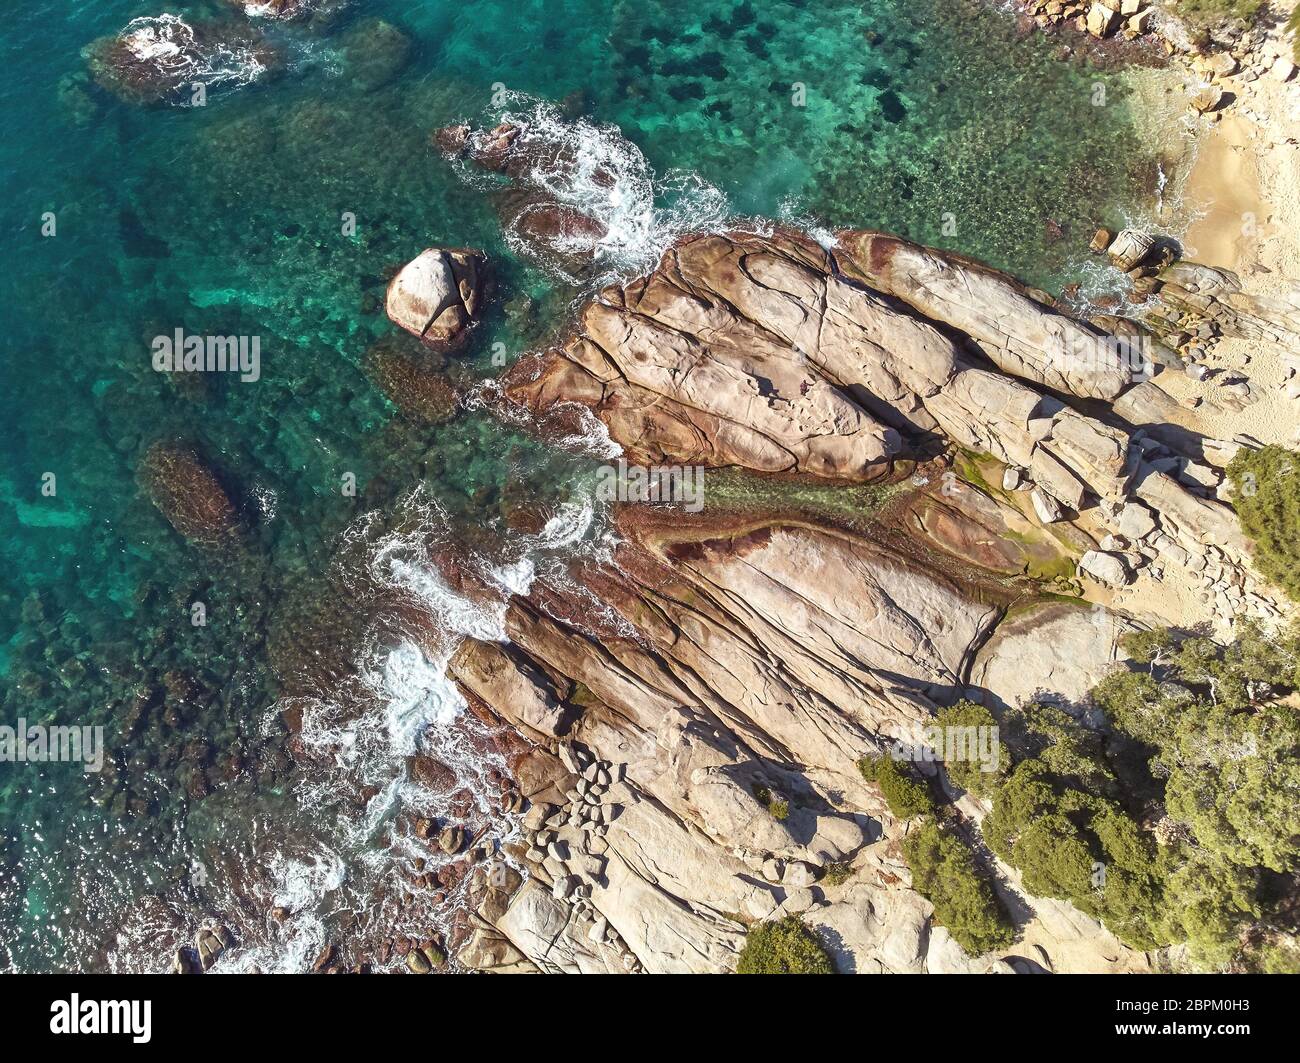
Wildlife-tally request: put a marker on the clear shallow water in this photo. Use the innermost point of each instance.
(261, 759)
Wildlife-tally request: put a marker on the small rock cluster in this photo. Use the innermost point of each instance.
(1236, 63)
(425, 956)
(210, 944)
(1142, 541)
(1129, 19)
(1223, 60)
(1189, 309)
(1196, 306)
(568, 841)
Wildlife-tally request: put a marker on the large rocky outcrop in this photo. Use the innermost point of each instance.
(705, 739)
(162, 59)
(770, 353)
(742, 351)
(1053, 652)
(697, 733)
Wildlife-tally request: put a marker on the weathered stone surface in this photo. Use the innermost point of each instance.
(1218, 295)
(1207, 99)
(538, 924)
(709, 755)
(1135, 521)
(875, 930)
(1046, 508)
(678, 370)
(1019, 334)
(488, 950)
(438, 295)
(1102, 20)
(1053, 653)
(502, 677)
(1130, 248)
(1109, 569)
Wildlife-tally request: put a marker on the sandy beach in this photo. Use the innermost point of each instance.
(1235, 204)
(1243, 192)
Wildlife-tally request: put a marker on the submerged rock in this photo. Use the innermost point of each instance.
(275, 8)
(189, 495)
(319, 13)
(375, 52)
(563, 232)
(416, 387)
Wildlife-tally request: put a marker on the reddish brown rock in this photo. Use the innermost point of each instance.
(431, 773)
(558, 230)
(422, 392)
(746, 351)
(188, 494)
(160, 59)
(532, 156)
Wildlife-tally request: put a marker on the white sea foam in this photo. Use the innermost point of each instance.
(791, 213)
(161, 40)
(417, 695)
(169, 44)
(592, 436)
(598, 173)
(267, 8)
(568, 526)
(416, 709)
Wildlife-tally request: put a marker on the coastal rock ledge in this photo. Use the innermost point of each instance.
(773, 354)
(698, 709)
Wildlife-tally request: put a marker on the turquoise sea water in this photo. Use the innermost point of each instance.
(928, 117)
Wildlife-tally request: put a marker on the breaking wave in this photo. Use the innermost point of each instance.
(170, 46)
(598, 173)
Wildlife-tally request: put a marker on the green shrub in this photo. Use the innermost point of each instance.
(1281, 956)
(1266, 486)
(779, 807)
(944, 872)
(906, 796)
(837, 874)
(1226, 747)
(1149, 647)
(1210, 903)
(1053, 821)
(971, 775)
(783, 947)
(1209, 731)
